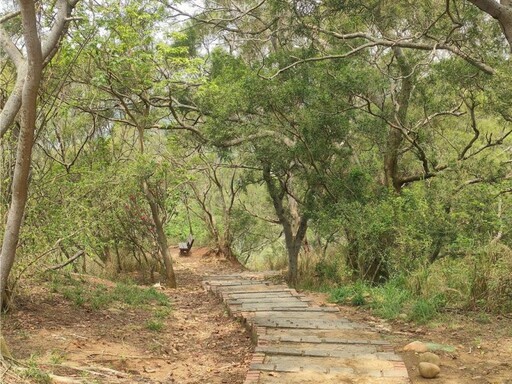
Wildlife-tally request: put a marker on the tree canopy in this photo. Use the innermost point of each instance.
(360, 140)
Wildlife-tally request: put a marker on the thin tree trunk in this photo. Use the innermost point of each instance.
(293, 239)
(395, 136)
(161, 237)
(25, 143)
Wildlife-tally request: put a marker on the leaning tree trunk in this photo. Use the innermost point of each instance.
(34, 66)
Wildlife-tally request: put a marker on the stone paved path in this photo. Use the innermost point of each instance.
(299, 342)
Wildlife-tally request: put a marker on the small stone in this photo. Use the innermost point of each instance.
(429, 357)
(416, 346)
(428, 370)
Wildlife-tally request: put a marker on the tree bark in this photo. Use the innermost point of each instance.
(23, 100)
(395, 136)
(293, 239)
(161, 237)
(501, 11)
(34, 63)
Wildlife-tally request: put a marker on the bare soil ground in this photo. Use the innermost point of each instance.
(198, 343)
(474, 348)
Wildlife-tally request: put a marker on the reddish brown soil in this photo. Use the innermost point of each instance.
(199, 343)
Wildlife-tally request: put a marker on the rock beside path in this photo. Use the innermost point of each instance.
(416, 346)
(429, 357)
(428, 370)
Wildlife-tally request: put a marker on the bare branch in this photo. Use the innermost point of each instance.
(64, 9)
(69, 261)
(471, 106)
(9, 16)
(406, 42)
(10, 48)
(501, 12)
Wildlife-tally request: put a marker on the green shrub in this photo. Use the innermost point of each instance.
(355, 293)
(340, 294)
(425, 309)
(389, 299)
(134, 295)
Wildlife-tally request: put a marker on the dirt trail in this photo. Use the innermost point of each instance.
(198, 343)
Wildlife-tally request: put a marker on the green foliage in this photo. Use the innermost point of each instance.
(424, 310)
(133, 295)
(360, 291)
(210, 120)
(355, 294)
(388, 300)
(162, 313)
(328, 270)
(340, 294)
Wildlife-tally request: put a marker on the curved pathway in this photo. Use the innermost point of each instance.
(299, 342)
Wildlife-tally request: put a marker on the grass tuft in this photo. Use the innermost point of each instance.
(99, 296)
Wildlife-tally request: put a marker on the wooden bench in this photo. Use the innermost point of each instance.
(186, 247)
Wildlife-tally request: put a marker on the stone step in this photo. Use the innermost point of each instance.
(261, 300)
(292, 311)
(285, 338)
(231, 283)
(306, 377)
(307, 315)
(319, 349)
(271, 306)
(363, 365)
(243, 295)
(303, 323)
(245, 288)
(330, 334)
(301, 343)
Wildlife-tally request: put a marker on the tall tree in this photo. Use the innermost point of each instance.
(23, 98)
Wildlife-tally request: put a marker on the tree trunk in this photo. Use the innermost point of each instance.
(25, 142)
(395, 136)
(352, 260)
(293, 239)
(293, 245)
(161, 237)
(391, 174)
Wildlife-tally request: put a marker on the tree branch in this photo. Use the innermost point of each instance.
(69, 261)
(406, 42)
